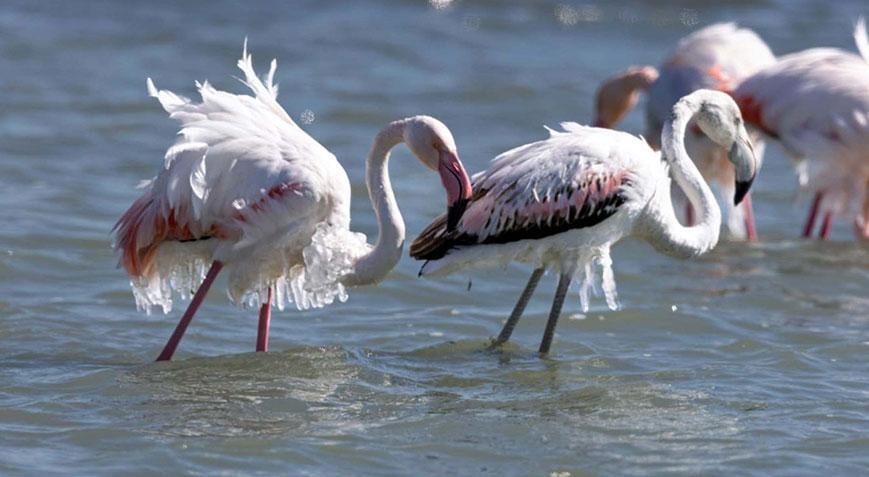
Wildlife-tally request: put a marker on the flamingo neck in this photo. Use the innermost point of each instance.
(666, 233)
(382, 258)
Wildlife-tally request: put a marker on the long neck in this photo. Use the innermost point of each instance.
(666, 234)
(382, 258)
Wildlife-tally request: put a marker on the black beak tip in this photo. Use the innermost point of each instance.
(742, 188)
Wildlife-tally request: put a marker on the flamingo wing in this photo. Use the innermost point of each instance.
(571, 180)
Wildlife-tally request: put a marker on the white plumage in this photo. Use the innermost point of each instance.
(816, 103)
(244, 188)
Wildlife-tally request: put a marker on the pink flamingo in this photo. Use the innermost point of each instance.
(716, 57)
(245, 189)
(562, 202)
(816, 103)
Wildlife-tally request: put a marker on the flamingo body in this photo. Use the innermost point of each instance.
(243, 185)
(558, 203)
(245, 190)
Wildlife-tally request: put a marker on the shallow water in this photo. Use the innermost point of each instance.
(751, 360)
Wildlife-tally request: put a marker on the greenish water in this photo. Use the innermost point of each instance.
(749, 361)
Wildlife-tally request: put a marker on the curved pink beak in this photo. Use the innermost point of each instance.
(458, 185)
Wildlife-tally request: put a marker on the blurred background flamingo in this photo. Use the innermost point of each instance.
(716, 57)
(816, 103)
(244, 188)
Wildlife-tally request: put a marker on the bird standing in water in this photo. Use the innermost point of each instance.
(560, 203)
(246, 190)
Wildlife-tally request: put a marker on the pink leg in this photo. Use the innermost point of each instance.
(813, 215)
(861, 223)
(265, 316)
(172, 344)
(750, 231)
(689, 215)
(826, 226)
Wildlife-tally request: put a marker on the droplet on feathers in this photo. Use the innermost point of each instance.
(689, 17)
(471, 23)
(307, 117)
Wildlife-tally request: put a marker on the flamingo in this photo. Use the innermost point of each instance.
(816, 103)
(246, 190)
(716, 57)
(560, 203)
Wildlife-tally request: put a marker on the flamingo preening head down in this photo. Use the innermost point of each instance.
(246, 190)
(560, 203)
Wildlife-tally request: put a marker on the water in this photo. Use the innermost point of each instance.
(751, 360)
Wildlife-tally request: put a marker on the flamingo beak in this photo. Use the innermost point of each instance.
(458, 185)
(742, 156)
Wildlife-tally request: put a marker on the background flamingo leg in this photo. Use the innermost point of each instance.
(826, 226)
(555, 312)
(750, 230)
(813, 215)
(172, 344)
(689, 215)
(265, 317)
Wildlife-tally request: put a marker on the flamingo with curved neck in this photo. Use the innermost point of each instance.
(245, 189)
(562, 202)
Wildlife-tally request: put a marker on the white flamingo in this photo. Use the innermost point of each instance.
(716, 57)
(816, 103)
(244, 188)
(562, 202)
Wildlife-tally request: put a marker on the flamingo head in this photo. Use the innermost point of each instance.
(620, 92)
(719, 118)
(433, 144)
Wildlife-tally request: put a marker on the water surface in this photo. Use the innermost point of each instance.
(749, 361)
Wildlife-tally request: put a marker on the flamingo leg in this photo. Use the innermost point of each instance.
(861, 222)
(265, 317)
(172, 344)
(750, 231)
(826, 226)
(813, 215)
(689, 215)
(507, 330)
(555, 312)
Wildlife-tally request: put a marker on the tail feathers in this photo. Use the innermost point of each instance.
(860, 38)
(134, 237)
(145, 225)
(433, 242)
